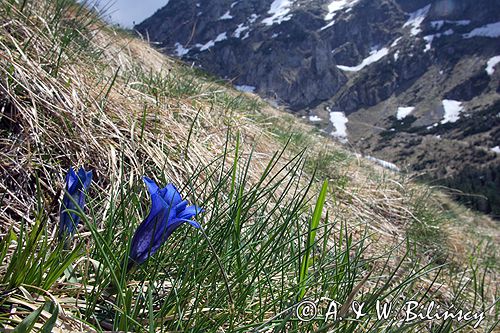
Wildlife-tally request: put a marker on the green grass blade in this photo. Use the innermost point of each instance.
(318, 209)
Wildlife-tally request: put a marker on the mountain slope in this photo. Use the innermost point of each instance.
(433, 61)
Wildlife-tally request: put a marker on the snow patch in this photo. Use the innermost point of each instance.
(490, 65)
(429, 38)
(220, 37)
(385, 164)
(396, 55)
(337, 5)
(226, 16)
(339, 121)
(327, 26)
(253, 18)
(496, 149)
(416, 19)
(241, 27)
(374, 56)
(245, 88)
(404, 111)
(234, 4)
(315, 118)
(279, 11)
(180, 50)
(396, 41)
(437, 25)
(452, 110)
(428, 42)
(491, 30)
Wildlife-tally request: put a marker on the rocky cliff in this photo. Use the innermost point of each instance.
(414, 82)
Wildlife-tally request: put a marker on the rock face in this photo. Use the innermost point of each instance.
(287, 61)
(372, 60)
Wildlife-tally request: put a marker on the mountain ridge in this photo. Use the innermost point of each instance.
(366, 60)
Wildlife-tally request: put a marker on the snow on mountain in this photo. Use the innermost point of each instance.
(245, 88)
(437, 25)
(226, 16)
(339, 121)
(452, 110)
(490, 65)
(279, 11)
(241, 28)
(404, 111)
(385, 164)
(430, 38)
(337, 6)
(416, 19)
(220, 37)
(491, 30)
(180, 50)
(375, 55)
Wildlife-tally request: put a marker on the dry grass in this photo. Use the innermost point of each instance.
(53, 122)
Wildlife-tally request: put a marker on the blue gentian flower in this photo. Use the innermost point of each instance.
(76, 185)
(168, 212)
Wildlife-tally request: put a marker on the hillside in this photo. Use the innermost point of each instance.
(289, 215)
(414, 83)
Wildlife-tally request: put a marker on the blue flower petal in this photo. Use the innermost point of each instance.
(181, 206)
(88, 180)
(194, 224)
(147, 239)
(189, 212)
(171, 195)
(152, 187)
(82, 174)
(168, 212)
(178, 222)
(71, 180)
(157, 202)
(73, 199)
